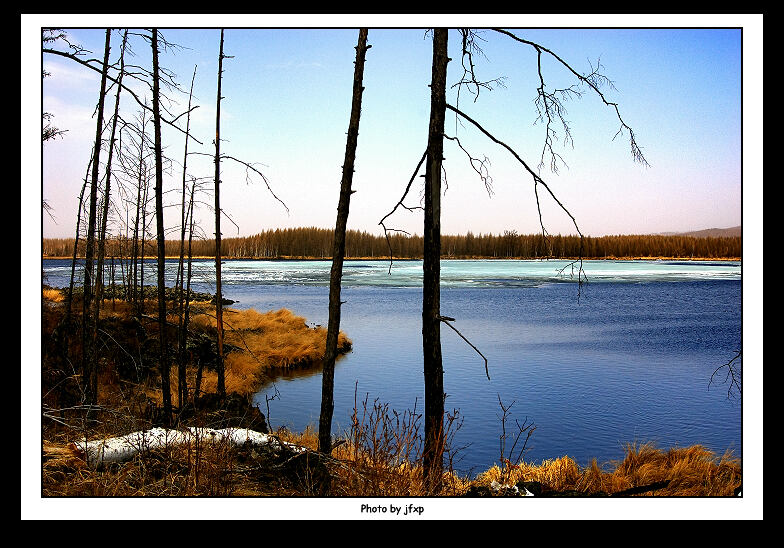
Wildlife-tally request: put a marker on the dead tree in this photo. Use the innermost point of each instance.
(89, 366)
(186, 316)
(137, 294)
(218, 293)
(182, 386)
(550, 108)
(164, 354)
(339, 250)
(107, 193)
(69, 296)
(217, 158)
(431, 292)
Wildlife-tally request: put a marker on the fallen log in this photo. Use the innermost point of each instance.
(124, 448)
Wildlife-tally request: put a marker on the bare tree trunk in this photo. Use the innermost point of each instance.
(97, 302)
(339, 250)
(89, 367)
(69, 298)
(140, 307)
(188, 288)
(431, 296)
(141, 204)
(182, 386)
(135, 244)
(218, 293)
(164, 363)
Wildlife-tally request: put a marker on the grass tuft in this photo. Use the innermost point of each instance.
(691, 471)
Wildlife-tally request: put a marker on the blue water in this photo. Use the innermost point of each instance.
(626, 358)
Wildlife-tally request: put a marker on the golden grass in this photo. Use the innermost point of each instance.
(691, 471)
(53, 295)
(361, 470)
(258, 346)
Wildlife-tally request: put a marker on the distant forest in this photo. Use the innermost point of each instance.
(317, 243)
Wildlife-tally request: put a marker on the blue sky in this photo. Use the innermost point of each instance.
(287, 102)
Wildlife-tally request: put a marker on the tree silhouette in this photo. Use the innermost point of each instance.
(161, 238)
(218, 291)
(89, 366)
(339, 249)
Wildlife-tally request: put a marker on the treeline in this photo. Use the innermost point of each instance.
(315, 242)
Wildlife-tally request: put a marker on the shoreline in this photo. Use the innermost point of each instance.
(386, 259)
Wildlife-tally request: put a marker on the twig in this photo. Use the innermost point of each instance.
(480, 166)
(733, 374)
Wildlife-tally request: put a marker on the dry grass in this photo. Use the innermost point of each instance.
(53, 295)
(381, 455)
(691, 471)
(258, 346)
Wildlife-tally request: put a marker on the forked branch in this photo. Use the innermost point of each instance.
(551, 101)
(470, 48)
(480, 166)
(401, 204)
(733, 374)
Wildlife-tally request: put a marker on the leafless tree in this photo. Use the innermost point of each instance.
(182, 387)
(431, 283)
(164, 353)
(217, 157)
(550, 109)
(107, 193)
(218, 292)
(339, 249)
(69, 296)
(89, 366)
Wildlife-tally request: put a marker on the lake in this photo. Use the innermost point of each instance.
(626, 357)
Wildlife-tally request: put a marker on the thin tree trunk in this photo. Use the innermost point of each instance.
(98, 300)
(140, 307)
(339, 250)
(197, 388)
(89, 367)
(431, 306)
(182, 386)
(76, 246)
(164, 363)
(141, 198)
(218, 293)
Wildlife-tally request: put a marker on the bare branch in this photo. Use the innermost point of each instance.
(594, 80)
(537, 181)
(446, 320)
(89, 64)
(249, 167)
(400, 204)
(480, 166)
(733, 374)
(260, 174)
(469, 79)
